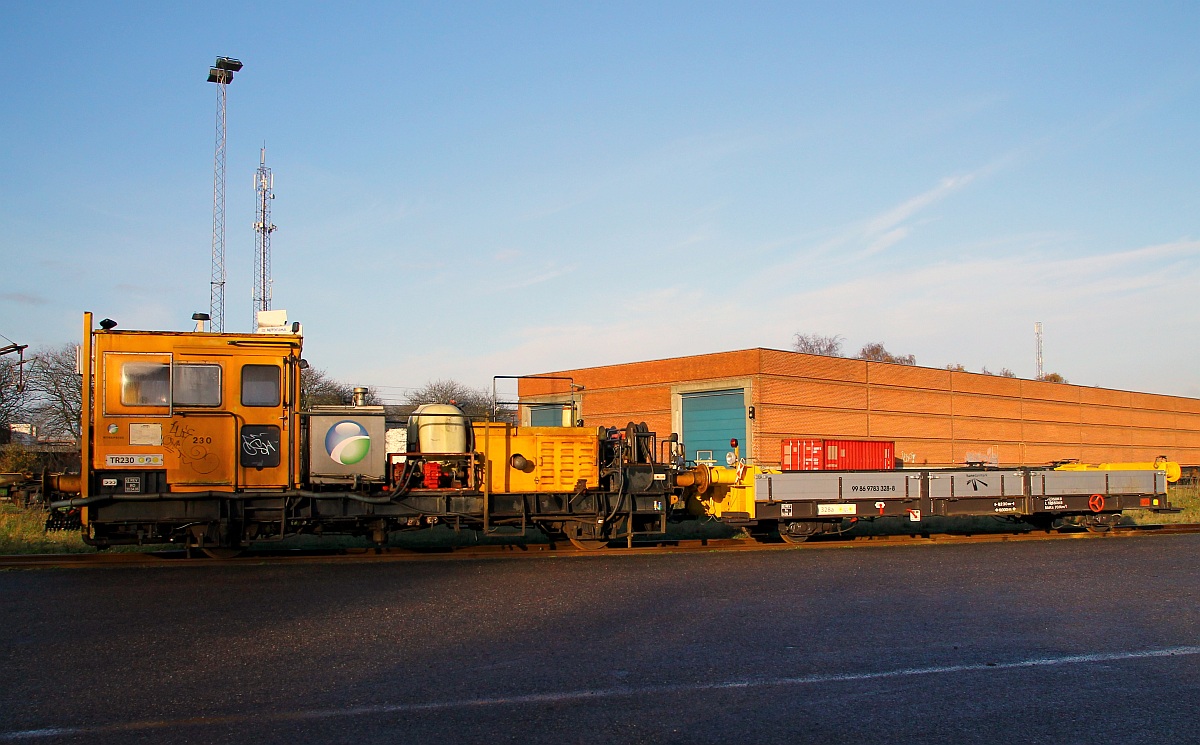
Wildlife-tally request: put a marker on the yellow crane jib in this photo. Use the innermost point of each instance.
(1160, 464)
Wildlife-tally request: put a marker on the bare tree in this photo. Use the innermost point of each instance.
(12, 400)
(875, 352)
(1006, 373)
(826, 346)
(317, 388)
(1052, 377)
(958, 367)
(55, 391)
(475, 402)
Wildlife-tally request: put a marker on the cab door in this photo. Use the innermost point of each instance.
(263, 443)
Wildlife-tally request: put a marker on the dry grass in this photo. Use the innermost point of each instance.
(22, 531)
(1187, 497)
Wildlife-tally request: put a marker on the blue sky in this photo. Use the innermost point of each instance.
(466, 189)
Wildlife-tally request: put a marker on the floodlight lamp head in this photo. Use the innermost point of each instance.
(228, 63)
(221, 77)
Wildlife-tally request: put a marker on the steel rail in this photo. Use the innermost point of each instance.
(535, 550)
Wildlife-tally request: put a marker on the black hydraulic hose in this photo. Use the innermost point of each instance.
(152, 497)
(155, 497)
(344, 495)
(79, 502)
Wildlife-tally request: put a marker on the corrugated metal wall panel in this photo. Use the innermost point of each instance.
(920, 452)
(1103, 397)
(1151, 401)
(1038, 391)
(1105, 454)
(787, 422)
(1048, 453)
(992, 385)
(908, 376)
(1151, 437)
(794, 365)
(650, 398)
(996, 430)
(978, 451)
(1152, 419)
(1050, 411)
(781, 391)
(986, 406)
(901, 426)
(910, 400)
(1105, 415)
(1098, 435)
(1050, 432)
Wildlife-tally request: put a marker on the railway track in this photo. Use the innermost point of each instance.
(532, 550)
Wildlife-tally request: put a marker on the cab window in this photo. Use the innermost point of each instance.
(197, 385)
(145, 384)
(150, 384)
(260, 385)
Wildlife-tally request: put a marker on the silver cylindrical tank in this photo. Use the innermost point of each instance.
(438, 428)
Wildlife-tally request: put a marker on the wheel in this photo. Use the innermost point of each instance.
(799, 532)
(587, 537)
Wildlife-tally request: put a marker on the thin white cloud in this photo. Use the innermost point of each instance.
(888, 228)
(890, 219)
(537, 279)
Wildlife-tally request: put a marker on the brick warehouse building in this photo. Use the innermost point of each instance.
(936, 417)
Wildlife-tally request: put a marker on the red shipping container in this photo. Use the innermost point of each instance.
(798, 454)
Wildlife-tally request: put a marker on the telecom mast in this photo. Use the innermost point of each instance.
(1037, 332)
(264, 184)
(220, 73)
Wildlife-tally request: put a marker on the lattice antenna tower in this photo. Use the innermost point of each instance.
(1037, 332)
(220, 73)
(264, 185)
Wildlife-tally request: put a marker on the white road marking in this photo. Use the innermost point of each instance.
(594, 694)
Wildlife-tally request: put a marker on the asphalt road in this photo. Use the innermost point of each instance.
(1057, 641)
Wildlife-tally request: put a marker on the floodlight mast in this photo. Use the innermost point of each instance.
(1038, 360)
(220, 73)
(264, 185)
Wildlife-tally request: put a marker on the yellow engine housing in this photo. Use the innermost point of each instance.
(555, 459)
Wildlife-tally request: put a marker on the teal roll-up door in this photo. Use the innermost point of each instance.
(711, 419)
(547, 415)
